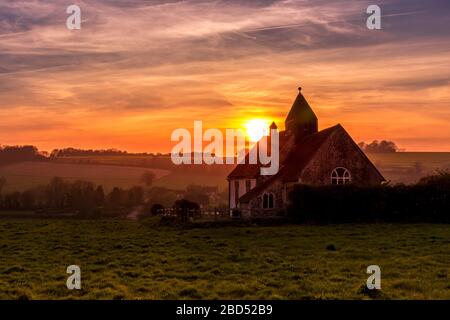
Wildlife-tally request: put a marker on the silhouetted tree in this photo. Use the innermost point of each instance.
(156, 209)
(2, 184)
(161, 195)
(56, 193)
(116, 198)
(440, 178)
(147, 178)
(379, 147)
(197, 194)
(99, 196)
(12, 154)
(28, 200)
(67, 152)
(135, 196)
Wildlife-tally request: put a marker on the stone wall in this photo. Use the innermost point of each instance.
(340, 151)
(255, 206)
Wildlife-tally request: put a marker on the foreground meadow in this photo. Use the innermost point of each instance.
(136, 260)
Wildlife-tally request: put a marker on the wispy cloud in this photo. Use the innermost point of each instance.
(152, 66)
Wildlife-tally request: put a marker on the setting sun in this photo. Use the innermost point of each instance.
(256, 129)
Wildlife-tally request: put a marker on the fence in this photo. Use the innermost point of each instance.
(189, 215)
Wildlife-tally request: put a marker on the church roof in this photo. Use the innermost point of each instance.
(250, 171)
(298, 159)
(299, 155)
(298, 145)
(306, 149)
(295, 161)
(301, 110)
(257, 190)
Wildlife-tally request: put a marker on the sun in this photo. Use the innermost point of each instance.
(256, 129)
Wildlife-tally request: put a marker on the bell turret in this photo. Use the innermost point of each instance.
(301, 120)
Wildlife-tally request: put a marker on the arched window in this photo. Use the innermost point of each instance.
(268, 201)
(340, 175)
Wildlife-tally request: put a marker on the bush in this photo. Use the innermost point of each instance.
(156, 209)
(427, 201)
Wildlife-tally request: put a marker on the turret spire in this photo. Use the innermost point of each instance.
(301, 119)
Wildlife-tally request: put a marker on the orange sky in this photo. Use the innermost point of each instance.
(138, 70)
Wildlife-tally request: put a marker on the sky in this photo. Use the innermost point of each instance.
(137, 70)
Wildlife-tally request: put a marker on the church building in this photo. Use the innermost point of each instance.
(307, 156)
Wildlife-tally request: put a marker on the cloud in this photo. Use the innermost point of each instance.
(136, 61)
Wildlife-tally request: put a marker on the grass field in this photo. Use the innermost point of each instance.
(25, 175)
(180, 180)
(111, 172)
(408, 167)
(135, 260)
(430, 160)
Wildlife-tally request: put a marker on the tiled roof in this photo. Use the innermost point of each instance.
(250, 171)
(293, 163)
(298, 158)
(304, 151)
(259, 188)
(300, 153)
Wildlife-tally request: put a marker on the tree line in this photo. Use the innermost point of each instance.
(12, 154)
(85, 199)
(80, 197)
(383, 146)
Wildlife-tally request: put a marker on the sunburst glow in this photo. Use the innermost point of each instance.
(256, 129)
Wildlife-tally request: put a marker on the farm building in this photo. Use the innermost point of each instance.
(307, 156)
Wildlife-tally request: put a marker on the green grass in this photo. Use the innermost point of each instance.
(132, 260)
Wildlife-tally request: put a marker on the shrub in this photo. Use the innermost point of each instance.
(156, 209)
(427, 201)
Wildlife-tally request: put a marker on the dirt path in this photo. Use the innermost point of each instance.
(134, 214)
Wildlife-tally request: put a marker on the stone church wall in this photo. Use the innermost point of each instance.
(339, 151)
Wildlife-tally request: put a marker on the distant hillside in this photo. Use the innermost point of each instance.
(409, 167)
(20, 168)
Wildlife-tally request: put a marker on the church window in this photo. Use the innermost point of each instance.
(268, 201)
(340, 175)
